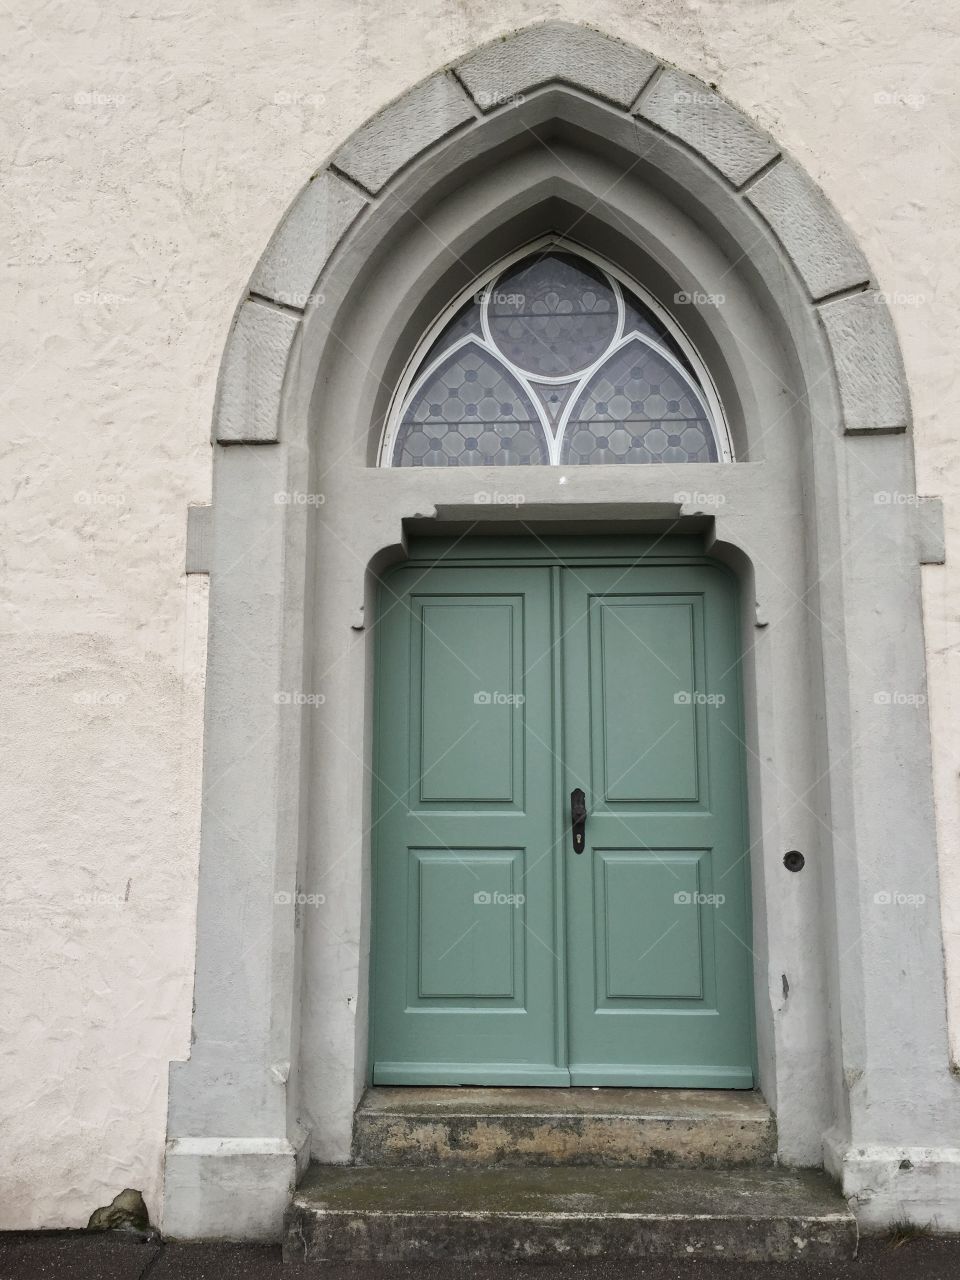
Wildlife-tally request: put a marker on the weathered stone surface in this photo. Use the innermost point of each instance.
(248, 400)
(402, 130)
(306, 237)
(199, 533)
(556, 51)
(227, 1188)
(891, 1184)
(345, 1214)
(690, 111)
(126, 1212)
(931, 533)
(867, 360)
(530, 1127)
(810, 230)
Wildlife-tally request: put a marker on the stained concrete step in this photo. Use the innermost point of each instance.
(695, 1128)
(343, 1213)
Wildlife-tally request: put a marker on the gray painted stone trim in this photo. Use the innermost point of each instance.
(251, 377)
(199, 533)
(306, 237)
(503, 70)
(931, 534)
(497, 75)
(868, 365)
(247, 1022)
(685, 108)
(205, 1180)
(811, 231)
(402, 130)
(886, 1183)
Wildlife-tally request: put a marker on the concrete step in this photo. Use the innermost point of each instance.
(342, 1213)
(695, 1128)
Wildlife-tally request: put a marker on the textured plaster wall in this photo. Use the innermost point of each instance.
(149, 153)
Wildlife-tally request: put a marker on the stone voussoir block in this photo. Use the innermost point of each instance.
(723, 136)
(810, 230)
(866, 357)
(402, 130)
(505, 69)
(305, 239)
(251, 378)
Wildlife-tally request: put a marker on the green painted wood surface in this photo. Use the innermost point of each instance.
(499, 955)
(658, 943)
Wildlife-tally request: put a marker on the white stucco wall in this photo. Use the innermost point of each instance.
(153, 153)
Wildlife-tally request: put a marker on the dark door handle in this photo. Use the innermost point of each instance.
(578, 819)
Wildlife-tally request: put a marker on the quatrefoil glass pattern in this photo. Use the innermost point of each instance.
(555, 362)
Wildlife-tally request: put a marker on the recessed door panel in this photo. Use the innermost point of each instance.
(648, 925)
(469, 702)
(468, 906)
(645, 676)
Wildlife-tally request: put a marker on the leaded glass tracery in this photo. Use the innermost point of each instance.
(638, 408)
(470, 412)
(554, 362)
(553, 316)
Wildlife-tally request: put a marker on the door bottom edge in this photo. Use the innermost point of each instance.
(597, 1076)
(479, 1074)
(585, 1075)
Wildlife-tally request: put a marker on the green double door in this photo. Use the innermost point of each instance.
(501, 954)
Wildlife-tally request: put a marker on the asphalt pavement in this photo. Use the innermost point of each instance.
(79, 1256)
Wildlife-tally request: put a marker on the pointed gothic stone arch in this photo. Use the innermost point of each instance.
(561, 129)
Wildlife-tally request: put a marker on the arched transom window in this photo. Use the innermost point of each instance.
(555, 362)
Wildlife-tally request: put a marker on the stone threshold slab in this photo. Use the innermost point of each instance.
(464, 1100)
(348, 1214)
(511, 1127)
